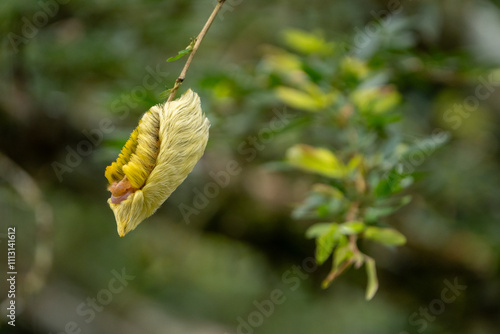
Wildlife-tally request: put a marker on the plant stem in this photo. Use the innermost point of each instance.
(352, 213)
(199, 38)
(333, 274)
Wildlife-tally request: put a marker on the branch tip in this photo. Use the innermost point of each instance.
(197, 43)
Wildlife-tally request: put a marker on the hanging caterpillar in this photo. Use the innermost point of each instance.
(158, 156)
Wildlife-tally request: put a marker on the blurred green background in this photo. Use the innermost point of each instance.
(68, 67)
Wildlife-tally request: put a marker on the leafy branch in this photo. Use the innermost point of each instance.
(361, 163)
(183, 52)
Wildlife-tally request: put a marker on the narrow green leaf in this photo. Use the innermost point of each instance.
(323, 201)
(318, 230)
(341, 255)
(316, 160)
(371, 273)
(308, 43)
(310, 97)
(376, 100)
(180, 54)
(328, 190)
(386, 236)
(309, 208)
(184, 52)
(374, 213)
(342, 259)
(354, 162)
(354, 69)
(392, 183)
(280, 61)
(166, 93)
(325, 244)
(353, 227)
(297, 99)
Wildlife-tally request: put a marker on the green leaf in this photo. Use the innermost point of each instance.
(309, 208)
(318, 230)
(323, 201)
(371, 273)
(392, 183)
(353, 68)
(354, 163)
(374, 213)
(327, 208)
(316, 160)
(353, 227)
(327, 190)
(376, 100)
(166, 93)
(281, 61)
(308, 43)
(386, 236)
(184, 52)
(326, 243)
(297, 99)
(312, 100)
(342, 254)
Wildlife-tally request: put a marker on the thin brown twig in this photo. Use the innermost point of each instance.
(333, 274)
(352, 213)
(199, 38)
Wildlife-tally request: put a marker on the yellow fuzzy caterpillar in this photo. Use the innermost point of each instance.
(143, 160)
(159, 155)
(114, 172)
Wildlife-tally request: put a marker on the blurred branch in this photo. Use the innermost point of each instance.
(199, 38)
(352, 213)
(31, 194)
